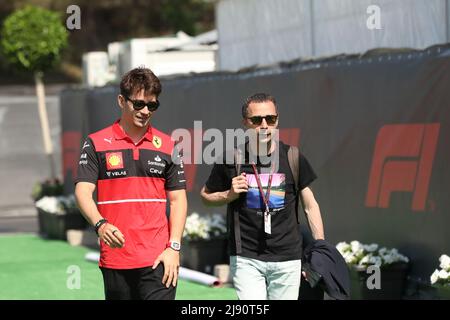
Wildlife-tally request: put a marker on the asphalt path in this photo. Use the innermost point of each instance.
(22, 158)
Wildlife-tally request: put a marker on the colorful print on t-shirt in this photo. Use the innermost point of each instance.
(277, 191)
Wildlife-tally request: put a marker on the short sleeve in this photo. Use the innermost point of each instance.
(175, 178)
(307, 174)
(88, 166)
(218, 180)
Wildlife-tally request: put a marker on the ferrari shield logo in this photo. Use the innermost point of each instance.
(157, 142)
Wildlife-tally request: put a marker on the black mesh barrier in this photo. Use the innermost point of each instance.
(376, 129)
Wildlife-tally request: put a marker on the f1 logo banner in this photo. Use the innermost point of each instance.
(402, 161)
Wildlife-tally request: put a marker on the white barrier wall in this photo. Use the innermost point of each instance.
(261, 32)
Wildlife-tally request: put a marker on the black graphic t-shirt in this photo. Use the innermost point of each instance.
(285, 241)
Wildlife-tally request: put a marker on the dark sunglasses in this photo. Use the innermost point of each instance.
(270, 119)
(139, 104)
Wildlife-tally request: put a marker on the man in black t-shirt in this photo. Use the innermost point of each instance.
(265, 243)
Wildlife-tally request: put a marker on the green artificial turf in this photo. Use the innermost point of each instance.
(35, 268)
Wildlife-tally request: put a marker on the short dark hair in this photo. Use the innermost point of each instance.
(257, 98)
(139, 79)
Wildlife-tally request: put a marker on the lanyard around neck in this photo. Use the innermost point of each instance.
(265, 197)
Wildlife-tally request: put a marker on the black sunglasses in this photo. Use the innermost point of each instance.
(270, 119)
(139, 104)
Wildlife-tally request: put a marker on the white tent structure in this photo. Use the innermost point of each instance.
(261, 32)
(178, 54)
(168, 55)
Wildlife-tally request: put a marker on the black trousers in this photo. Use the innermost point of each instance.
(136, 284)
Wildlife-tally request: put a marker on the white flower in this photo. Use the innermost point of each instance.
(356, 246)
(217, 225)
(371, 247)
(357, 253)
(198, 227)
(365, 260)
(350, 259)
(375, 261)
(388, 258)
(52, 204)
(434, 277)
(343, 247)
(444, 275)
(445, 262)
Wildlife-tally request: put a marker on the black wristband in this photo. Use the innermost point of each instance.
(99, 224)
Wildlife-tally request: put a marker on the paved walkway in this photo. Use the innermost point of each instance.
(22, 158)
(19, 224)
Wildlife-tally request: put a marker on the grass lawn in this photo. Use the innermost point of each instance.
(35, 268)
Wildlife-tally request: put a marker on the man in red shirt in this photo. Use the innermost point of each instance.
(134, 167)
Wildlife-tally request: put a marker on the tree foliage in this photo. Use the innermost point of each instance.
(106, 21)
(32, 38)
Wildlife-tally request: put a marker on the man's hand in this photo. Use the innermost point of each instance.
(171, 261)
(111, 235)
(239, 185)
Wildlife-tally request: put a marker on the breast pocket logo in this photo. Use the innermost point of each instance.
(114, 161)
(157, 142)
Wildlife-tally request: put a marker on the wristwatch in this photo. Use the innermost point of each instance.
(175, 245)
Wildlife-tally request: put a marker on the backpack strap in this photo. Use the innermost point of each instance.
(231, 209)
(294, 159)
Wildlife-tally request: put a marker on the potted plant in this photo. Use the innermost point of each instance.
(204, 242)
(440, 279)
(57, 214)
(391, 265)
(49, 187)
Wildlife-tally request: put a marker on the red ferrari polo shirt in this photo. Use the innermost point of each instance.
(132, 180)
